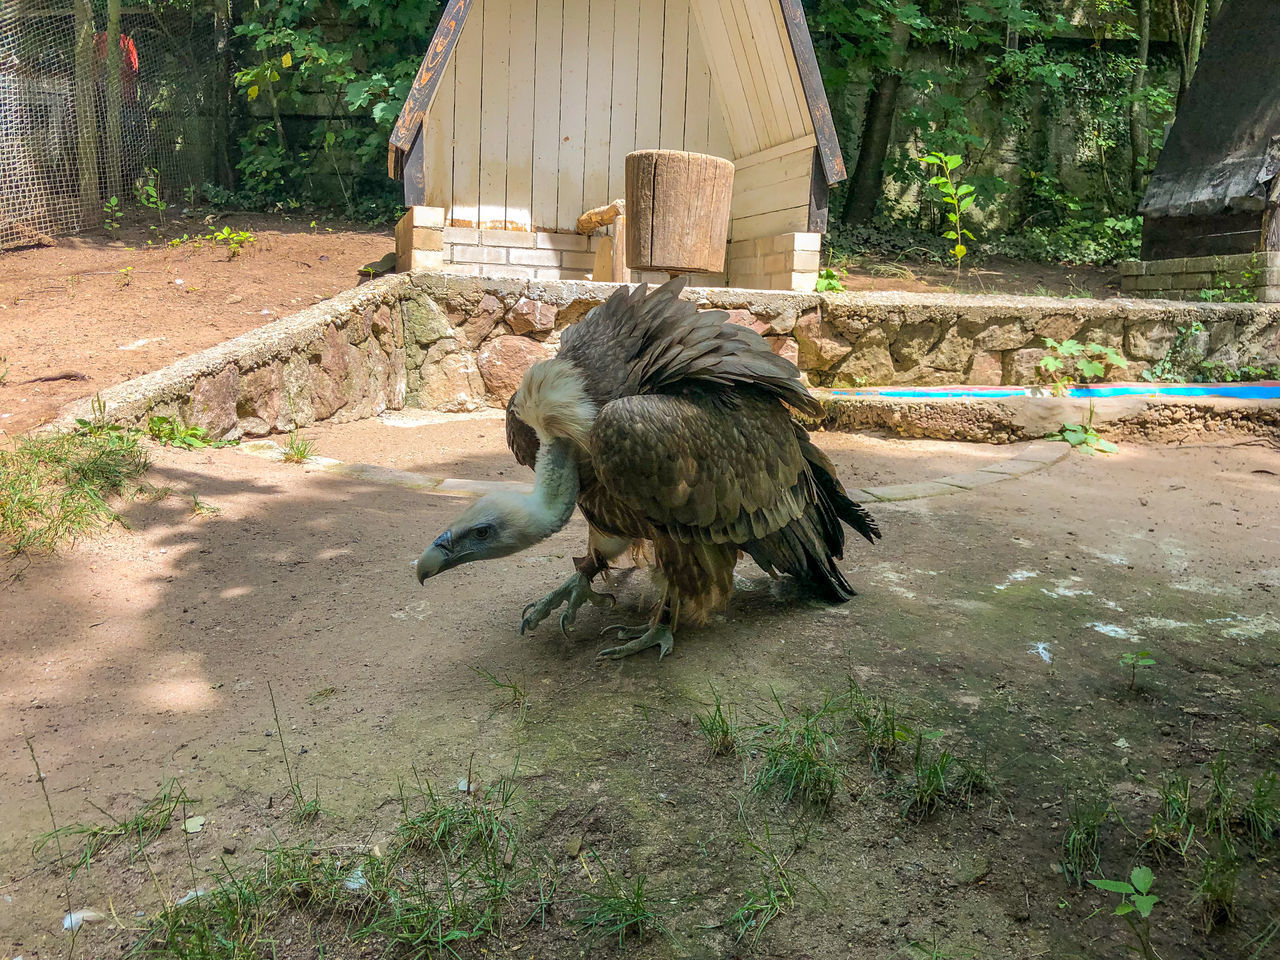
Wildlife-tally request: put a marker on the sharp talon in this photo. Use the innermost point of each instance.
(564, 624)
(525, 612)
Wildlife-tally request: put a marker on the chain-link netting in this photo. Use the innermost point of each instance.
(81, 124)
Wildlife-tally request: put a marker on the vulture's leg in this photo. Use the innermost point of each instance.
(657, 634)
(576, 590)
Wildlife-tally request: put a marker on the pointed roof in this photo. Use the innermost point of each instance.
(788, 12)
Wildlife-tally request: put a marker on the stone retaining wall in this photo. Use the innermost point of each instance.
(458, 343)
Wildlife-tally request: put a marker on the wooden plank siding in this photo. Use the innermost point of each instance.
(772, 190)
(542, 100)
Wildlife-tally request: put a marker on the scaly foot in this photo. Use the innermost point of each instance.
(575, 592)
(641, 638)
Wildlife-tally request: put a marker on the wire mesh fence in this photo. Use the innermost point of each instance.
(98, 103)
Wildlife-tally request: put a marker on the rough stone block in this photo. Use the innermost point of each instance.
(1013, 468)
(1148, 339)
(807, 241)
(911, 491)
(805, 261)
(1163, 267)
(801, 281)
(987, 369)
(785, 347)
(503, 363)
(970, 480)
(1132, 268)
(820, 345)
(1019, 366)
(432, 217)
(531, 318)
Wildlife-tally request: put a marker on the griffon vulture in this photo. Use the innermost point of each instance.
(669, 425)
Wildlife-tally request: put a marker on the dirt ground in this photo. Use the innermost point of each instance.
(995, 617)
(103, 307)
(106, 307)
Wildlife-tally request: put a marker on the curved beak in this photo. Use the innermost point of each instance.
(433, 560)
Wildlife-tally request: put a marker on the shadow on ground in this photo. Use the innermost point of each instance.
(994, 617)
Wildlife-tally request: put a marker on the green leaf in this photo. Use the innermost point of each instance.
(966, 203)
(1113, 886)
(1144, 904)
(1070, 348)
(253, 92)
(1142, 877)
(953, 162)
(951, 235)
(960, 250)
(1050, 364)
(1123, 908)
(1106, 446)
(1092, 368)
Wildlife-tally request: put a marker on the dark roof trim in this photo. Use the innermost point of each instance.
(815, 94)
(424, 86)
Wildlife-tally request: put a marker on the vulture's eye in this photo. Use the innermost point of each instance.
(482, 533)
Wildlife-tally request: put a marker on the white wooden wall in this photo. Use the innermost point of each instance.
(543, 99)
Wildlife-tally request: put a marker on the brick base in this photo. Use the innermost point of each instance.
(788, 261)
(1235, 277)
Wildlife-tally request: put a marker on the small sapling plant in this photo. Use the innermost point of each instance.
(1135, 906)
(148, 194)
(1082, 436)
(1135, 661)
(111, 210)
(955, 194)
(828, 281)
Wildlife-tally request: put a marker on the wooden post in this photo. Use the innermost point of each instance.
(86, 125)
(621, 272)
(602, 269)
(677, 211)
(112, 84)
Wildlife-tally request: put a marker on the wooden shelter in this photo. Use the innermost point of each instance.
(523, 113)
(1210, 213)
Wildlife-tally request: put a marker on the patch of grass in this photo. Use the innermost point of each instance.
(305, 809)
(298, 450)
(931, 785)
(800, 756)
(881, 733)
(202, 508)
(1082, 842)
(1261, 811)
(56, 487)
(1215, 890)
(719, 727)
(775, 894)
(624, 908)
(170, 432)
(94, 839)
(1171, 826)
(518, 698)
(1220, 799)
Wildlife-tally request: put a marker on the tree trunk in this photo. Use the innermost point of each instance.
(222, 93)
(867, 181)
(1196, 40)
(1138, 146)
(86, 125)
(113, 85)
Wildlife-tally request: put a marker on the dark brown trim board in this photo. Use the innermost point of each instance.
(815, 94)
(424, 86)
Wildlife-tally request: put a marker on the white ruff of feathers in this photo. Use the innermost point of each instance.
(553, 400)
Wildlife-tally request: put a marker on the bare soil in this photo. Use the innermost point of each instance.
(146, 653)
(105, 307)
(994, 275)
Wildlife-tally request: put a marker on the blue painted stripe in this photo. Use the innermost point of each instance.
(1251, 391)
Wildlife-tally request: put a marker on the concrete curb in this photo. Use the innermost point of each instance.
(1037, 456)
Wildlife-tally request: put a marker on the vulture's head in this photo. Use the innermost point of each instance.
(496, 525)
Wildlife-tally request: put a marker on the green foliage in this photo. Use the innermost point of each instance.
(233, 240)
(170, 432)
(56, 487)
(1216, 887)
(1183, 356)
(1133, 661)
(111, 209)
(1082, 436)
(828, 281)
(1092, 362)
(350, 67)
(1135, 906)
(956, 194)
(147, 193)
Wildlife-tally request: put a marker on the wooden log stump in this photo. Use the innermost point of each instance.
(677, 211)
